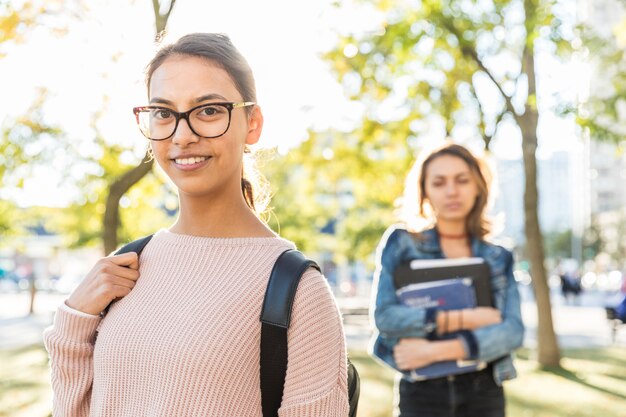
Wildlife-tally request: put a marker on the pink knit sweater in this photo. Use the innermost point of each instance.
(185, 341)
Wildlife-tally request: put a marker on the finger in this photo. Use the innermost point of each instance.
(402, 365)
(120, 271)
(398, 359)
(118, 281)
(129, 259)
(120, 291)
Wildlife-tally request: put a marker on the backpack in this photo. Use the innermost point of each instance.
(275, 320)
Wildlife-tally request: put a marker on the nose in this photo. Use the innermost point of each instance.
(183, 135)
(451, 189)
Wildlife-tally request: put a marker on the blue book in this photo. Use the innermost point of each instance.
(445, 294)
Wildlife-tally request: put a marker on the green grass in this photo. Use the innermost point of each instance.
(591, 383)
(24, 383)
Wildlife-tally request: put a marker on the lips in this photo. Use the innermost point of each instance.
(189, 163)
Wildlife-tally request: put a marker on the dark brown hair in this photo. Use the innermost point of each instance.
(476, 223)
(219, 50)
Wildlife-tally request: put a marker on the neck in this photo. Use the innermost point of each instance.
(452, 230)
(218, 216)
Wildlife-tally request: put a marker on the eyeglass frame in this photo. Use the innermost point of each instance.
(185, 115)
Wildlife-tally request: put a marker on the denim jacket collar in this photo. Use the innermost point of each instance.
(429, 242)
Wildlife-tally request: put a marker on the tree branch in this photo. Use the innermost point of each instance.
(156, 7)
(161, 19)
(469, 50)
(169, 11)
(486, 137)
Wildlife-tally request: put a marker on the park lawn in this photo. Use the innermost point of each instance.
(592, 383)
(25, 383)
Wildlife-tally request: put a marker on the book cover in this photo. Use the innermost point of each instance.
(428, 270)
(447, 294)
(445, 284)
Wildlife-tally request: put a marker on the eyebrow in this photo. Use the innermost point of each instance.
(460, 174)
(200, 99)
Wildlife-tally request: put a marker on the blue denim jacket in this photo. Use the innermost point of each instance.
(493, 344)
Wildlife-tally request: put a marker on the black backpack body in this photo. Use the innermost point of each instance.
(275, 320)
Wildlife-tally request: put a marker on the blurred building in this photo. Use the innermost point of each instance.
(558, 195)
(607, 178)
(607, 162)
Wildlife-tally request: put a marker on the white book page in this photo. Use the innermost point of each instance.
(441, 263)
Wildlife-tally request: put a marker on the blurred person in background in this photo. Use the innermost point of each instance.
(444, 216)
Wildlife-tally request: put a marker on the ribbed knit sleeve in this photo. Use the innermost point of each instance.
(70, 343)
(316, 380)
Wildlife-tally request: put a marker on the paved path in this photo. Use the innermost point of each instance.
(577, 326)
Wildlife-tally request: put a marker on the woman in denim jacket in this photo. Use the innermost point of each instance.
(449, 189)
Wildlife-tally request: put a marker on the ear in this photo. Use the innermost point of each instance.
(255, 126)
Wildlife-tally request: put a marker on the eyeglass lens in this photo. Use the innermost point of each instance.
(206, 121)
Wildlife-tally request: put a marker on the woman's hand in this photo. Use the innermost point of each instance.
(468, 318)
(112, 277)
(412, 353)
(473, 318)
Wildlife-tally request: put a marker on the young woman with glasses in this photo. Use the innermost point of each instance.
(182, 338)
(444, 216)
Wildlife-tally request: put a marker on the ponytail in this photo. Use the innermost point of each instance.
(248, 193)
(254, 186)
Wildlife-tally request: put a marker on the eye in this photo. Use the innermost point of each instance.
(161, 114)
(210, 112)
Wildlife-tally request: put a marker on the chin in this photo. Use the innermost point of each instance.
(453, 216)
(194, 190)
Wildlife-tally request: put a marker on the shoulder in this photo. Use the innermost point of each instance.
(496, 254)
(393, 235)
(315, 305)
(494, 249)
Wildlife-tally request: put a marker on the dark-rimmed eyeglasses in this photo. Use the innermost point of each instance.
(206, 120)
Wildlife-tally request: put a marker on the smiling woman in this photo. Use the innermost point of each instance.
(183, 335)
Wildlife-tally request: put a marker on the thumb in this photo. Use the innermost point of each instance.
(129, 259)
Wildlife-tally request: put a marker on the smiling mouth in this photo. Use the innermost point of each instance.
(191, 161)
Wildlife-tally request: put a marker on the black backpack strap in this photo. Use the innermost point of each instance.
(354, 388)
(275, 319)
(134, 246)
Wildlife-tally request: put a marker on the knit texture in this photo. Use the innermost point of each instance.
(186, 340)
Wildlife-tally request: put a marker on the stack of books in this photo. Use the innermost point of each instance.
(444, 284)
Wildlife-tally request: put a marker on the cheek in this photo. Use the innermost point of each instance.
(472, 196)
(158, 150)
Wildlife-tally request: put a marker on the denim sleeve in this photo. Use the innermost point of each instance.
(392, 319)
(503, 338)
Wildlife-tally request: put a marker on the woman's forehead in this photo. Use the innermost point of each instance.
(185, 78)
(447, 165)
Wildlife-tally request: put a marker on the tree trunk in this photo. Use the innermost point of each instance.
(111, 220)
(548, 349)
(32, 291)
(116, 191)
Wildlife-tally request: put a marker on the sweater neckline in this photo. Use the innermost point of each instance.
(167, 236)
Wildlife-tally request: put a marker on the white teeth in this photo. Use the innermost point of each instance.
(192, 160)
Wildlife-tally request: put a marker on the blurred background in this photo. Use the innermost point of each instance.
(351, 91)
